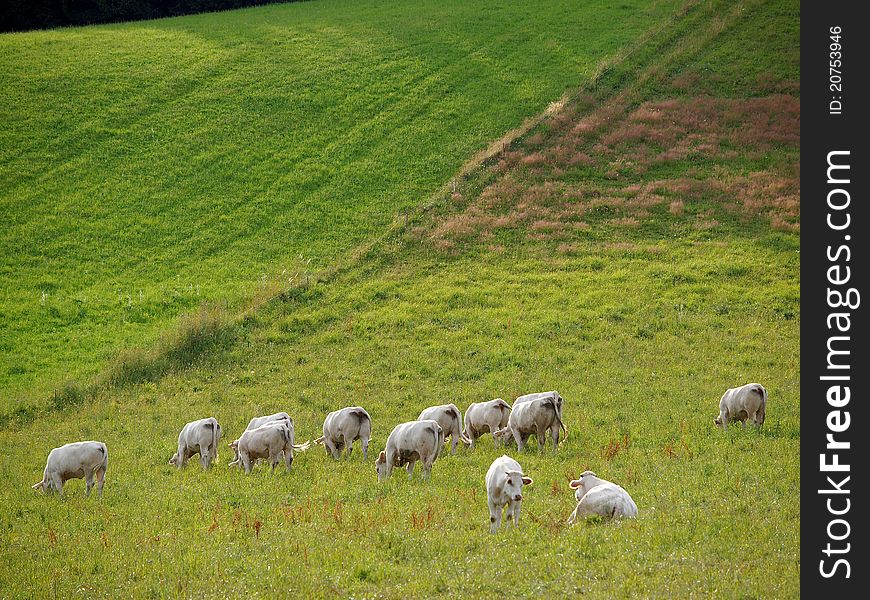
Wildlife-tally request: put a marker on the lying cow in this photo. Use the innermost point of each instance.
(450, 419)
(533, 417)
(557, 398)
(88, 460)
(739, 404)
(198, 437)
(269, 441)
(342, 428)
(504, 487)
(599, 497)
(408, 443)
(483, 417)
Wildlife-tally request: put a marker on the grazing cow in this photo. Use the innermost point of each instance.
(342, 427)
(557, 398)
(75, 461)
(409, 442)
(200, 437)
(739, 404)
(450, 419)
(599, 497)
(504, 487)
(532, 417)
(257, 421)
(483, 417)
(268, 441)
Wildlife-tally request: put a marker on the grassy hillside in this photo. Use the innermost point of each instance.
(638, 250)
(149, 167)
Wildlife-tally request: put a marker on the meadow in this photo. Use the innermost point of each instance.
(637, 249)
(149, 167)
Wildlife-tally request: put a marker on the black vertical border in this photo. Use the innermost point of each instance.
(822, 133)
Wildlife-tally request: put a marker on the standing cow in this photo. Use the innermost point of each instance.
(504, 487)
(198, 437)
(739, 404)
(408, 443)
(257, 421)
(599, 497)
(483, 417)
(88, 460)
(450, 419)
(557, 399)
(342, 427)
(533, 417)
(269, 441)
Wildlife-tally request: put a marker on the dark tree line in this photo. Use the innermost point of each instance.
(21, 15)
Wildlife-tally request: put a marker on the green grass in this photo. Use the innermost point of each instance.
(148, 167)
(641, 327)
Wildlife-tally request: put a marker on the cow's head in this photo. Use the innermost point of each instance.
(587, 480)
(503, 435)
(718, 421)
(381, 465)
(513, 485)
(174, 460)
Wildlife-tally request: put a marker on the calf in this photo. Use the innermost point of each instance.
(483, 417)
(533, 417)
(504, 487)
(77, 460)
(600, 497)
(200, 437)
(342, 427)
(557, 399)
(739, 404)
(450, 419)
(269, 442)
(409, 442)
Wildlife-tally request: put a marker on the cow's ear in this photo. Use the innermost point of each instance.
(382, 457)
(527, 480)
(575, 483)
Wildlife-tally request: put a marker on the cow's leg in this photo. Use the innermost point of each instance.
(101, 479)
(203, 458)
(554, 437)
(519, 439)
(336, 453)
(724, 417)
(410, 468)
(89, 482)
(516, 508)
(542, 438)
(573, 516)
(454, 441)
(288, 458)
(494, 517)
(246, 463)
(364, 443)
(57, 483)
(348, 442)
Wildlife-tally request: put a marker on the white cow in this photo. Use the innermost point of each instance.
(538, 417)
(257, 421)
(504, 487)
(483, 417)
(409, 442)
(200, 437)
(599, 497)
(342, 427)
(450, 419)
(268, 441)
(557, 398)
(739, 404)
(75, 461)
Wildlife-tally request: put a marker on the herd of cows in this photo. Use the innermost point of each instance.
(272, 438)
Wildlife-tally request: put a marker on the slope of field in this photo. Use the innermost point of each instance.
(638, 251)
(146, 168)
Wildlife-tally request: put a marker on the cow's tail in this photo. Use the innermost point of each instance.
(319, 441)
(760, 390)
(302, 447)
(104, 466)
(215, 437)
(457, 416)
(365, 424)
